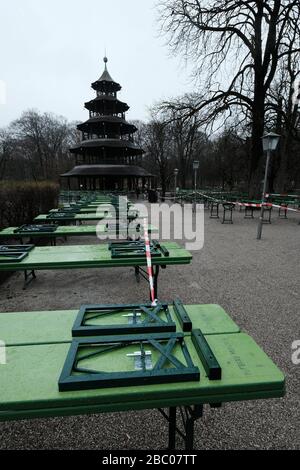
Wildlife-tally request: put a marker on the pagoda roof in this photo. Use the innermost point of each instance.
(105, 77)
(112, 144)
(109, 101)
(105, 80)
(107, 170)
(112, 121)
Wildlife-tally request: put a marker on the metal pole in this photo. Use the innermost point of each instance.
(260, 223)
(175, 187)
(195, 196)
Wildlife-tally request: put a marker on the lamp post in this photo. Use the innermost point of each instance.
(196, 166)
(176, 171)
(270, 142)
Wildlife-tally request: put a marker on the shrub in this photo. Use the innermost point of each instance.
(21, 202)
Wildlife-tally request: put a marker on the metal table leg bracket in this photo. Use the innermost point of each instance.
(29, 276)
(283, 212)
(189, 415)
(249, 212)
(214, 210)
(267, 214)
(227, 209)
(140, 272)
(137, 273)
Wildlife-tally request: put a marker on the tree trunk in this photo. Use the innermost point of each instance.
(286, 151)
(256, 163)
(258, 109)
(163, 181)
(283, 170)
(277, 156)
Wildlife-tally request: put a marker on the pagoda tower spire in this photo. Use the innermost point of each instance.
(107, 155)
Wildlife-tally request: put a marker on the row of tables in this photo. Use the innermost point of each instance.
(230, 201)
(87, 256)
(139, 342)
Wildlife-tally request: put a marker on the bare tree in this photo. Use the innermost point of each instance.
(284, 115)
(229, 156)
(5, 151)
(156, 145)
(242, 40)
(36, 146)
(187, 142)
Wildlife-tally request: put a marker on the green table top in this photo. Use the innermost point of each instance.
(28, 328)
(70, 230)
(88, 256)
(78, 217)
(29, 381)
(93, 208)
(38, 343)
(107, 203)
(101, 200)
(102, 207)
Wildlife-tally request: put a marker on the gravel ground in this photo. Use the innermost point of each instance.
(257, 283)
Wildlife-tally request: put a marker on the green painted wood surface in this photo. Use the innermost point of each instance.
(93, 209)
(94, 214)
(109, 204)
(25, 328)
(165, 402)
(88, 256)
(101, 207)
(210, 319)
(61, 231)
(78, 217)
(28, 381)
(69, 231)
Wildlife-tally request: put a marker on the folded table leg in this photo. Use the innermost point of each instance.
(189, 415)
(29, 276)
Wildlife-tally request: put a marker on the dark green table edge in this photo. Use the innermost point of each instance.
(12, 415)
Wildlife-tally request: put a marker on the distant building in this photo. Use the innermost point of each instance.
(107, 157)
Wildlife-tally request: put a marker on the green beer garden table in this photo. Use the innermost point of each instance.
(91, 256)
(26, 328)
(71, 231)
(92, 208)
(37, 344)
(79, 218)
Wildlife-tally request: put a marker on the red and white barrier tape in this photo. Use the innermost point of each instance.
(149, 262)
(268, 204)
(250, 204)
(286, 208)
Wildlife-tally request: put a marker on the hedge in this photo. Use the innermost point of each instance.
(21, 202)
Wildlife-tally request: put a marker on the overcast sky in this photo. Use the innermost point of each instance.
(52, 50)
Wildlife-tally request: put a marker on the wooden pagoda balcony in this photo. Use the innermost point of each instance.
(86, 136)
(95, 114)
(99, 160)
